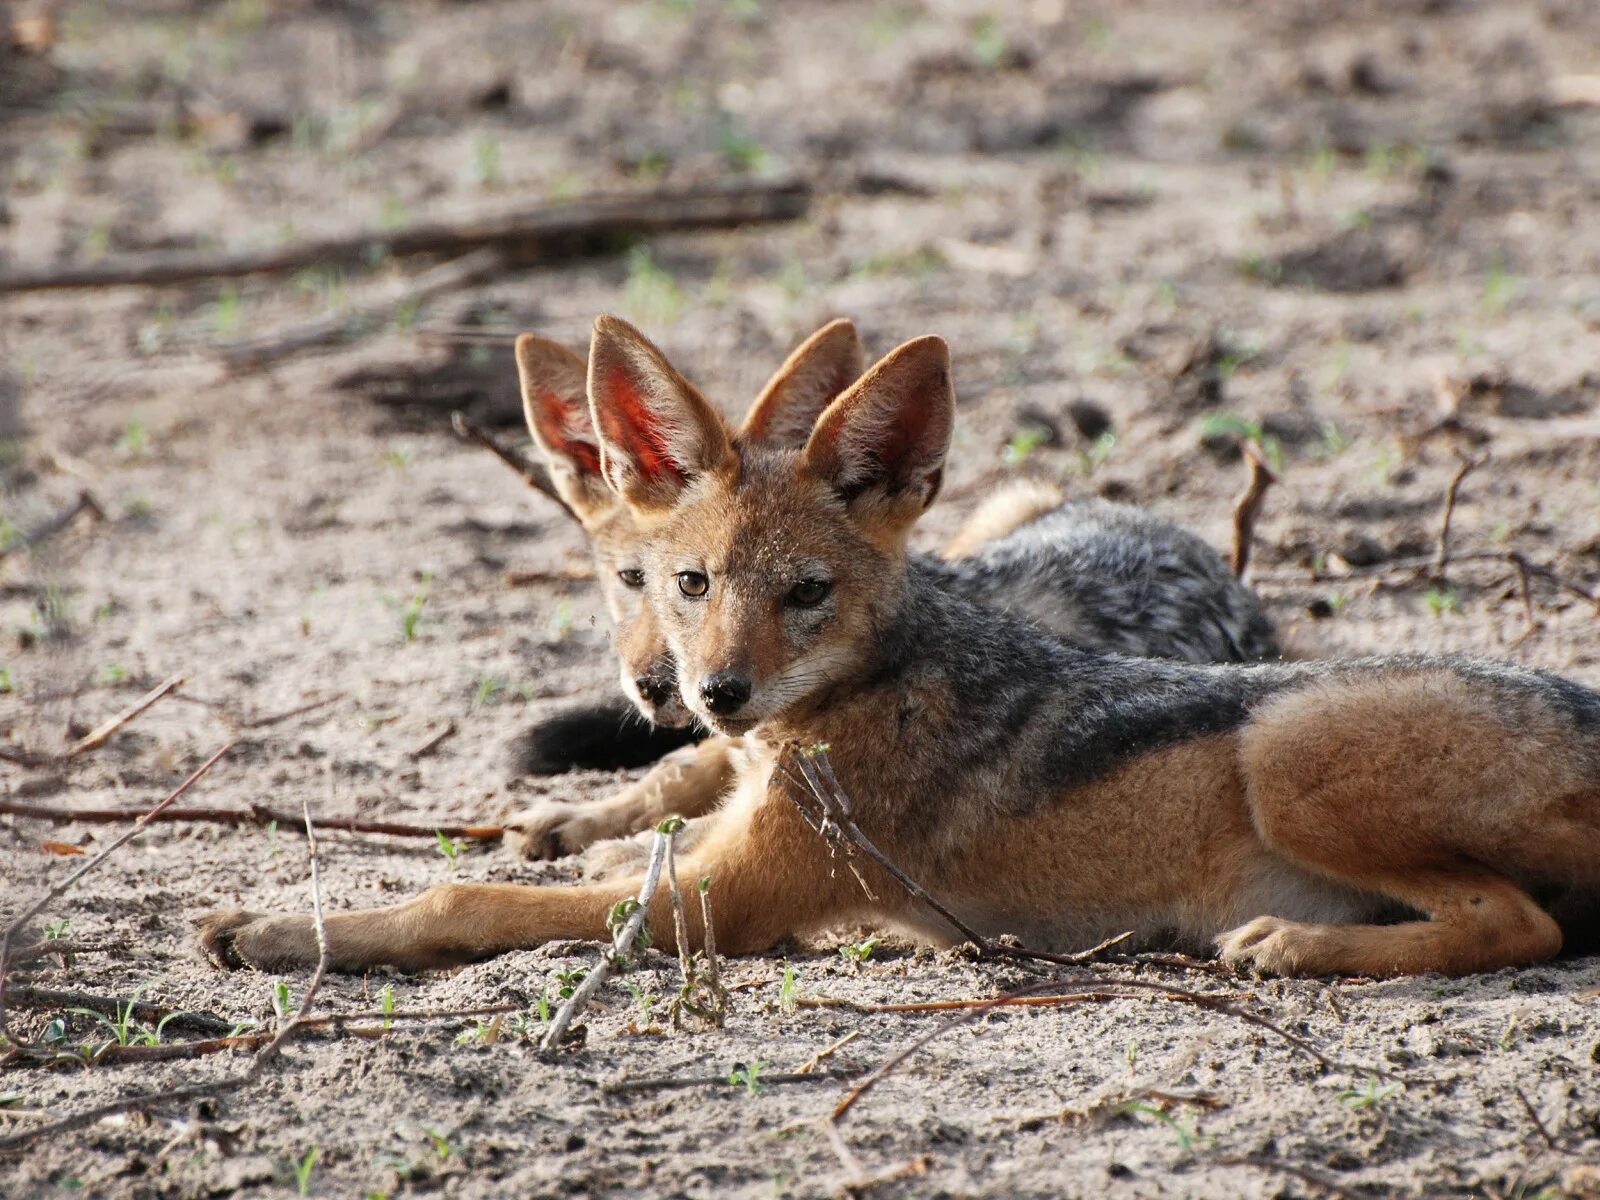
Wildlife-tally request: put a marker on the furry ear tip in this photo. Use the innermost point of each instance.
(607, 325)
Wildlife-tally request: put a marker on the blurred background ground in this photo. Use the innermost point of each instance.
(1363, 235)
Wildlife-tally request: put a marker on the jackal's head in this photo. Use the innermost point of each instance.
(557, 409)
(771, 568)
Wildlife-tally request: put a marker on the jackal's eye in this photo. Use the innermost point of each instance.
(693, 584)
(632, 577)
(808, 593)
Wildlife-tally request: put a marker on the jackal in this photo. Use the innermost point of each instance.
(1104, 576)
(1377, 817)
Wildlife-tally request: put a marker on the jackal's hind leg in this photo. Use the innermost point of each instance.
(1475, 921)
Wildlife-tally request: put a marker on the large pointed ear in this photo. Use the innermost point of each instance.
(657, 434)
(821, 367)
(556, 403)
(882, 444)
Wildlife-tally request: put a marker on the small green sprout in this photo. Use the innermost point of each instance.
(748, 1074)
(412, 614)
(858, 952)
(788, 991)
(1188, 1137)
(386, 1004)
(134, 440)
(280, 1000)
(487, 687)
(400, 456)
(1023, 443)
(450, 847)
(1442, 600)
(1371, 1095)
(442, 1148)
(57, 929)
(652, 293)
(302, 1172)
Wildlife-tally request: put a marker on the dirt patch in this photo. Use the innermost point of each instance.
(1146, 230)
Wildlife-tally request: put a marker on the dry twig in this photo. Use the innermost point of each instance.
(28, 538)
(1248, 506)
(531, 473)
(97, 736)
(541, 232)
(1441, 558)
(622, 942)
(256, 814)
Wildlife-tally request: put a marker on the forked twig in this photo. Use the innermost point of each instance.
(1248, 506)
(621, 943)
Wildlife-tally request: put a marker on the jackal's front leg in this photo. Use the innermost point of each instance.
(771, 878)
(686, 783)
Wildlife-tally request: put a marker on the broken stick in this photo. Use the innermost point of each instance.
(256, 814)
(1248, 506)
(538, 232)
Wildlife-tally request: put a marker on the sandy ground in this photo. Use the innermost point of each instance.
(1309, 222)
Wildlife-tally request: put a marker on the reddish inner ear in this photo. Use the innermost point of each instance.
(562, 424)
(631, 423)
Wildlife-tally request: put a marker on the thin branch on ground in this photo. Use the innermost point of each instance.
(531, 473)
(1538, 1122)
(370, 316)
(622, 942)
(536, 233)
(623, 1087)
(59, 889)
(827, 1052)
(1303, 1174)
(26, 539)
(288, 1028)
(256, 814)
(1247, 507)
(1418, 566)
(99, 735)
(1441, 558)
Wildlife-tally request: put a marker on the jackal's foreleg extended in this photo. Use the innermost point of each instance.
(771, 878)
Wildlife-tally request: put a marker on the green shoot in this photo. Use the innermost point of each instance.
(1370, 1096)
(1023, 443)
(858, 952)
(413, 610)
(748, 1074)
(788, 992)
(1442, 600)
(1188, 1137)
(302, 1172)
(386, 1003)
(442, 1148)
(448, 846)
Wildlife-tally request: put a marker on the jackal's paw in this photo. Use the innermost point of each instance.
(554, 829)
(233, 938)
(617, 856)
(1273, 946)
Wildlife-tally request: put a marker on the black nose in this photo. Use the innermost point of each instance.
(654, 689)
(725, 693)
